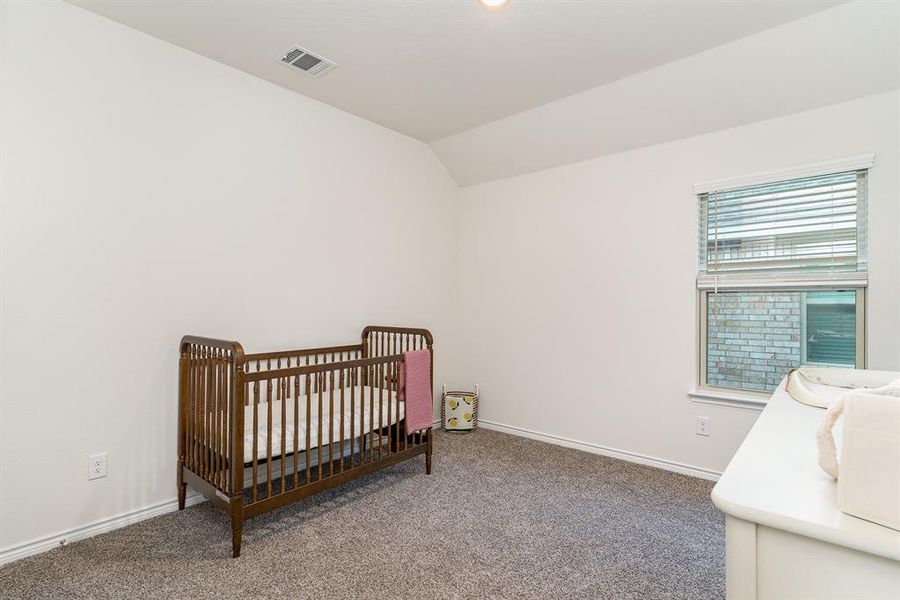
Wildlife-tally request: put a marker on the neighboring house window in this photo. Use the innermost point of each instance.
(781, 278)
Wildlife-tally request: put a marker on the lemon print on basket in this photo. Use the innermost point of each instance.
(459, 410)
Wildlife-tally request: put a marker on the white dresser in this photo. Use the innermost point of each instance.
(785, 537)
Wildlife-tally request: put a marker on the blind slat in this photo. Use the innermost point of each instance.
(813, 225)
(835, 192)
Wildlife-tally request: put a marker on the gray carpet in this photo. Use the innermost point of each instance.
(500, 517)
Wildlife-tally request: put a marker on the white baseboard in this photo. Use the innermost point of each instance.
(643, 459)
(17, 551)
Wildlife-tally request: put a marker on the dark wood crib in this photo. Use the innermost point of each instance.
(258, 431)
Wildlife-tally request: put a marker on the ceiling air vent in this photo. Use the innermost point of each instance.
(306, 61)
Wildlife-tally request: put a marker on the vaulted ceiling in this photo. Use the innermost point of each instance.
(434, 68)
(541, 83)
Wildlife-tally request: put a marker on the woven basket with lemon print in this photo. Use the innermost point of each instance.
(459, 410)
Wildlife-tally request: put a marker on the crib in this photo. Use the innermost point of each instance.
(259, 431)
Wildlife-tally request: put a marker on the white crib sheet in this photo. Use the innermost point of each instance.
(361, 420)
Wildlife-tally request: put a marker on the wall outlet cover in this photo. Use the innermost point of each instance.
(703, 426)
(97, 464)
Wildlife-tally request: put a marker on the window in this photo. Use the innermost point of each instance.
(782, 273)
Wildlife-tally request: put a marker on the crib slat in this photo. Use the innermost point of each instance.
(255, 437)
(195, 391)
(331, 422)
(189, 407)
(204, 413)
(268, 438)
(405, 416)
(283, 399)
(226, 419)
(198, 400)
(398, 415)
(364, 374)
(376, 393)
(217, 402)
(226, 451)
(214, 418)
(204, 408)
(390, 435)
(201, 405)
(195, 437)
(209, 452)
(217, 417)
(381, 371)
(393, 409)
(354, 379)
(208, 412)
(308, 424)
(372, 415)
(196, 412)
(319, 383)
(220, 420)
(217, 375)
(417, 435)
(341, 447)
(296, 424)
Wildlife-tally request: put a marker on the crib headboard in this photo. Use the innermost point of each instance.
(380, 340)
(208, 395)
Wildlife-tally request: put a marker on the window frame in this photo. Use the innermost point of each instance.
(702, 342)
(800, 282)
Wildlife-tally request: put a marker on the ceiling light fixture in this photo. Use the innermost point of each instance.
(494, 4)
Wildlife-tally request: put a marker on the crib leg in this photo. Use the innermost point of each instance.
(182, 487)
(428, 451)
(237, 527)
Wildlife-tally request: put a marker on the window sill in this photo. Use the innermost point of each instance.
(724, 398)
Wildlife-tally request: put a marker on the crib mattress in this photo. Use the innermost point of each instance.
(331, 427)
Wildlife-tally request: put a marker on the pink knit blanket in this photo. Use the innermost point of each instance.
(415, 389)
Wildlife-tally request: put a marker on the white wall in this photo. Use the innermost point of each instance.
(580, 315)
(148, 192)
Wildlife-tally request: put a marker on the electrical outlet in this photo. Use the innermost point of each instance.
(97, 466)
(703, 426)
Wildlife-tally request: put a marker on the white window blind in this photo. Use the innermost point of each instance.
(803, 232)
